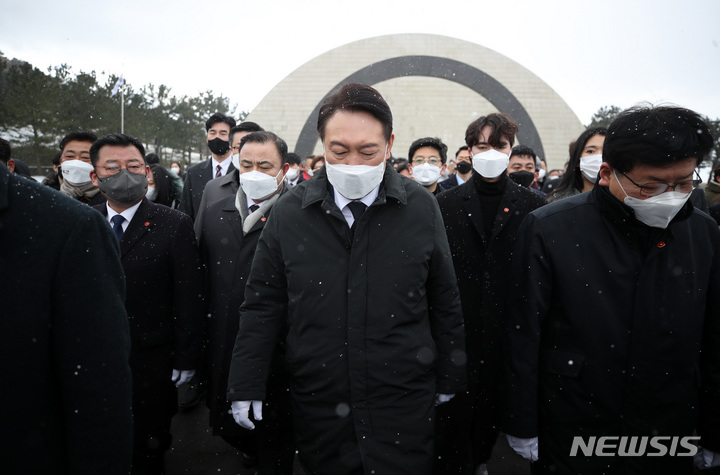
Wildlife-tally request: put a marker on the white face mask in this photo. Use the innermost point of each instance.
(76, 172)
(590, 167)
(257, 185)
(292, 173)
(175, 170)
(656, 211)
(491, 163)
(309, 172)
(355, 181)
(541, 174)
(151, 193)
(426, 174)
(236, 160)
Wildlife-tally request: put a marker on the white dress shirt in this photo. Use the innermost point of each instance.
(127, 214)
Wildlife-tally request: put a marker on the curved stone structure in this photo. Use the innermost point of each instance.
(435, 86)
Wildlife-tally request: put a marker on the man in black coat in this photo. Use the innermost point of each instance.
(613, 318)
(164, 298)
(227, 185)
(353, 275)
(463, 170)
(228, 235)
(64, 338)
(481, 217)
(218, 165)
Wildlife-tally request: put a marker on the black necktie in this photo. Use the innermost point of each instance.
(117, 225)
(357, 208)
(254, 208)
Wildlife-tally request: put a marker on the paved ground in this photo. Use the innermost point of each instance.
(196, 452)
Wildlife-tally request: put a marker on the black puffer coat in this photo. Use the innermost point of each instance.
(372, 325)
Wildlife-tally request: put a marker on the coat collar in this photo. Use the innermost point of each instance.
(510, 200)
(623, 216)
(237, 224)
(139, 226)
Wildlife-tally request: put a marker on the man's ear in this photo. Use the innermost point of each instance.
(94, 178)
(606, 174)
(389, 148)
(11, 165)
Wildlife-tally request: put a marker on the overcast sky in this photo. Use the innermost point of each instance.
(593, 54)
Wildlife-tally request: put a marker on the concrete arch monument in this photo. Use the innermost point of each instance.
(435, 86)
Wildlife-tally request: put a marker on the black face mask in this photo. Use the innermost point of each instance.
(523, 178)
(463, 167)
(218, 146)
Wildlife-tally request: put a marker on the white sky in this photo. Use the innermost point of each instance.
(593, 54)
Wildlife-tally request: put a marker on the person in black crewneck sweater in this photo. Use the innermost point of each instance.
(481, 218)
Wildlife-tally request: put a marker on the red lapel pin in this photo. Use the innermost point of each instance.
(147, 223)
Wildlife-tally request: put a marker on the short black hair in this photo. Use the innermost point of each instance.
(501, 124)
(265, 137)
(433, 142)
(244, 127)
(402, 164)
(80, 136)
(656, 136)
(120, 140)
(461, 149)
(293, 159)
(217, 118)
(152, 159)
(523, 150)
(5, 151)
(354, 97)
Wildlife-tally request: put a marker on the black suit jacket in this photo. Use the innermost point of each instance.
(64, 339)
(165, 307)
(164, 298)
(195, 181)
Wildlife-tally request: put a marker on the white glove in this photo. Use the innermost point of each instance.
(705, 458)
(526, 448)
(441, 398)
(240, 412)
(180, 377)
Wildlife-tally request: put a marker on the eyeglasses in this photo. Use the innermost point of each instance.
(419, 160)
(658, 188)
(133, 168)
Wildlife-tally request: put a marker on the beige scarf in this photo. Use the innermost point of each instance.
(249, 220)
(87, 191)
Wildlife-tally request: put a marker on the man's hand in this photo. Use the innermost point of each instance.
(705, 458)
(240, 412)
(526, 448)
(441, 398)
(180, 377)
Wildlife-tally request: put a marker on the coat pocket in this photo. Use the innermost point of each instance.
(562, 363)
